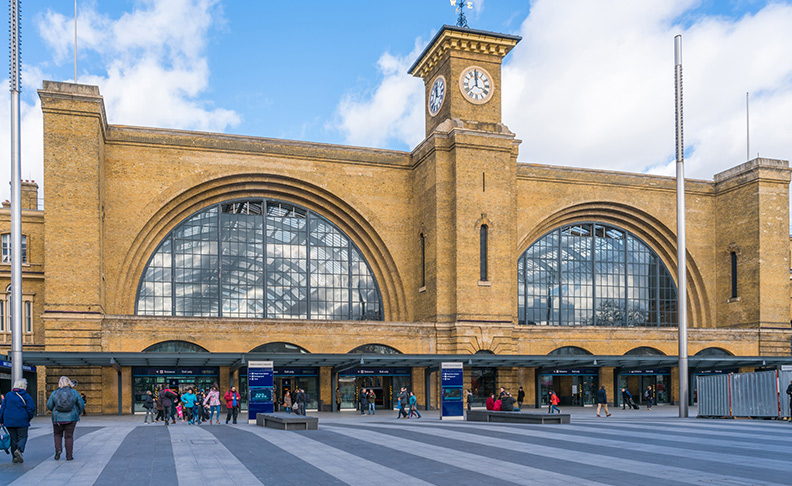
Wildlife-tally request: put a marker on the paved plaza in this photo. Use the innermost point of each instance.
(629, 448)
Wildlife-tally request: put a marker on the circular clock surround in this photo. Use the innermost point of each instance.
(476, 85)
(437, 95)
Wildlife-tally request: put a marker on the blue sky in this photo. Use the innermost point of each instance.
(590, 85)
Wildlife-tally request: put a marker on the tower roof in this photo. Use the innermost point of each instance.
(458, 38)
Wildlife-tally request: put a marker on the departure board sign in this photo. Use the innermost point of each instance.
(260, 388)
(452, 378)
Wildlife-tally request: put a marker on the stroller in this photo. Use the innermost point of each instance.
(5, 440)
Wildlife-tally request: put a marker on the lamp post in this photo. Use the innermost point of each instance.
(16, 199)
(681, 249)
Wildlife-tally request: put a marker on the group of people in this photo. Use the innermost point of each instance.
(17, 409)
(193, 407)
(295, 403)
(504, 402)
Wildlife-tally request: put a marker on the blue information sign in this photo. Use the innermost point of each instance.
(452, 380)
(260, 388)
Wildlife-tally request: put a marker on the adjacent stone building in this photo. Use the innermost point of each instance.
(170, 240)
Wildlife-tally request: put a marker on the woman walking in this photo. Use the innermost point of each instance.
(66, 405)
(287, 402)
(414, 406)
(15, 413)
(213, 400)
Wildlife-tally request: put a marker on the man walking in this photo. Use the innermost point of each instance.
(626, 398)
(404, 400)
(166, 397)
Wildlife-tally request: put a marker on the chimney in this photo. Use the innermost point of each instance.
(29, 195)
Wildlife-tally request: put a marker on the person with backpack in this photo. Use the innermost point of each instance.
(166, 398)
(554, 401)
(15, 413)
(66, 405)
(148, 404)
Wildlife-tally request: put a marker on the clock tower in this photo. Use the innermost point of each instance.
(461, 69)
(465, 187)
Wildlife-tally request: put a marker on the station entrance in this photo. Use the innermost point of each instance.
(385, 383)
(575, 387)
(638, 381)
(177, 379)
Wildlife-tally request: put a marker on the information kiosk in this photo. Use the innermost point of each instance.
(452, 379)
(260, 382)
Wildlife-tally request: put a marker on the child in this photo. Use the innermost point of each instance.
(180, 412)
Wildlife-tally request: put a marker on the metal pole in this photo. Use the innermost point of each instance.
(16, 201)
(681, 249)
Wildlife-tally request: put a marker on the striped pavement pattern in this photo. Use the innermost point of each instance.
(635, 451)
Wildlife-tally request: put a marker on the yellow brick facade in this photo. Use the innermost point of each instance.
(112, 193)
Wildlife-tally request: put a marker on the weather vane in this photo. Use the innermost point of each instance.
(460, 9)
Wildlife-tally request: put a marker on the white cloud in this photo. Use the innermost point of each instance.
(393, 113)
(153, 70)
(592, 85)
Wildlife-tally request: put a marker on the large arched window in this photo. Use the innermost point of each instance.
(375, 349)
(175, 347)
(258, 259)
(592, 274)
(279, 348)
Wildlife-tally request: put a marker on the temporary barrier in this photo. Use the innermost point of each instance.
(713, 395)
(761, 394)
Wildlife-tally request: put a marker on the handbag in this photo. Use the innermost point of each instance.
(5, 440)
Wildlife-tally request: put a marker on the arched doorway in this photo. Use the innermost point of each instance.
(384, 382)
(640, 381)
(483, 382)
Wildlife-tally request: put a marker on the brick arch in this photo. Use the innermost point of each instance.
(649, 229)
(194, 194)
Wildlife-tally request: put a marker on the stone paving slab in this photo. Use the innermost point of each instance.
(631, 447)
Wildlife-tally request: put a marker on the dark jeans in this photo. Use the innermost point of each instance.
(18, 436)
(188, 414)
(232, 411)
(166, 412)
(64, 433)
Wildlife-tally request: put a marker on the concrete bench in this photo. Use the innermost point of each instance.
(287, 421)
(517, 417)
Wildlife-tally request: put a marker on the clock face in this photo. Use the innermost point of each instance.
(476, 84)
(437, 95)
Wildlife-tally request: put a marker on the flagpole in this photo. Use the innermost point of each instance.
(681, 249)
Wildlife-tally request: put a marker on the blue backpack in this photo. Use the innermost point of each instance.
(5, 440)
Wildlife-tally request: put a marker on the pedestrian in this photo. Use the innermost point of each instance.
(15, 413)
(66, 406)
(158, 404)
(520, 397)
(554, 401)
(287, 402)
(414, 405)
(363, 399)
(602, 401)
(232, 404)
(626, 398)
(166, 398)
(213, 401)
(85, 401)
(789, 392)
(502, 393)
(338, 398)
(188, 403)
(404, 401)
(469, 397)
(372, 401)
(302, 399)
(198, 408)
(148, 404)
(649, 396)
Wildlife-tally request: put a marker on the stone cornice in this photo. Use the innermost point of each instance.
(455, 38)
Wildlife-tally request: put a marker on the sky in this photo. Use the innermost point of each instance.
(591, 84)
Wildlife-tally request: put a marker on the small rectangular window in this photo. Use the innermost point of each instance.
(423, 260)
(483, 252)
(28, 317)
(733, 275)
(2, 316)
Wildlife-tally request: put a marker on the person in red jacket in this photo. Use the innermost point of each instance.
(491, 402)
(554, 401)
(232, 404)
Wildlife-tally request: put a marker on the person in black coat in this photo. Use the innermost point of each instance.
(363, 399)
(148, 404)
(789, 392)
(520, 397)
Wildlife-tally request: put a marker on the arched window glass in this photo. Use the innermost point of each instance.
(713, 352)
(375, 349)
(175, 347)
(279, 348)
(644, 351)
(259, 259)
(592, 274)
(569, 351)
